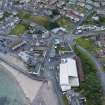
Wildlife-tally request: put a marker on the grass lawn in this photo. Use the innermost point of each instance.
(37, 19)
(87, 44)
(65, 100)
(19, 29)
(44, 21)
(64, 49)
(24, 15)
(66, 23)
(102, 21)
(41, 20)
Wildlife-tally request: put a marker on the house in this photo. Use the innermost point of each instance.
(59, 30)
(68, 74)
(17, 45)
(23, 1)
(100, 40)
(1, 14)
(51, 2)
(74, 15)
(24, 56)
(96, 18)
(72, 1)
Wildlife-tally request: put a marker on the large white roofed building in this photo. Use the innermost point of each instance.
(68, 74)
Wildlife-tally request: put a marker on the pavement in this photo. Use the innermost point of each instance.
(46, 95)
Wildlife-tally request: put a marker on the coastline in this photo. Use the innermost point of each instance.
(10, 85)
(30, 87)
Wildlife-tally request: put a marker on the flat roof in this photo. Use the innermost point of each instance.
(68, 74)
(69, 66)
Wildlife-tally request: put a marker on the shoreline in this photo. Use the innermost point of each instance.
(29, 87)
(11, 77)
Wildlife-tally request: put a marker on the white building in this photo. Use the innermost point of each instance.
(56, 30)
(1, 14)
(68, 74)
(22, 1)
(24, 56)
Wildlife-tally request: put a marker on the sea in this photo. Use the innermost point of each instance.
(10, 91)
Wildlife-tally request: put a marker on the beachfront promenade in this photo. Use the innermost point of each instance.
(37, 92)
(30, 87)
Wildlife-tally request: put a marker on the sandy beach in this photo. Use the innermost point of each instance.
(30, 87)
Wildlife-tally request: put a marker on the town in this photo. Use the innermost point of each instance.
(55, 49)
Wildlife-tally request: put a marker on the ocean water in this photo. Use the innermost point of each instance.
(10, 91)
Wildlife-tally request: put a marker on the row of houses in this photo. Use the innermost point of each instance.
(74, 15)
(87, 28)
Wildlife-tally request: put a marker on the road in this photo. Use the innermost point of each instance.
(51, 75)
(73, 36)
(82, 20)
(73, 97)
(100, 72)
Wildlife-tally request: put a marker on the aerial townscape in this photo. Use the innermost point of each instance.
(52, 52)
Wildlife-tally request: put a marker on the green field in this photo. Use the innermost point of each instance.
(87, 43)
(41, 20)
(24, 15)
(66, 23)
(46, 21)
(19, 29)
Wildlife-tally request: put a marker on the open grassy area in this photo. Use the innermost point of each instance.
(91, 87)
(41, 20)
(87, 43)
(65, 100)
(19, 29)
(46, 22)
(66, 23)
(38, 19)
(64, 49)
(24, 15)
